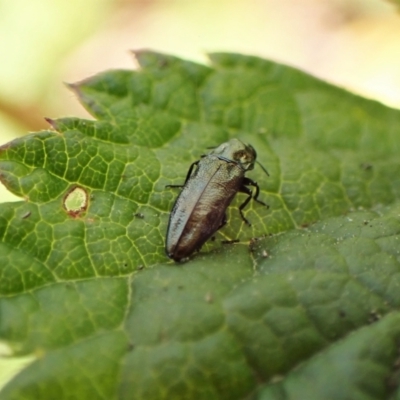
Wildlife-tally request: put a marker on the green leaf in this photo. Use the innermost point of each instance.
(359, 367)
(309, 294)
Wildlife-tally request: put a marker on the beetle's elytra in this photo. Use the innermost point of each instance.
(199, 210)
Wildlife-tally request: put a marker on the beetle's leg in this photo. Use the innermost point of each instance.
(223, 222)
(248, 181)
(246, 190)
(190, 171)
(187, 176)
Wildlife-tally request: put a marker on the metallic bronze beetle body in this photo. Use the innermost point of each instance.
(199, 210)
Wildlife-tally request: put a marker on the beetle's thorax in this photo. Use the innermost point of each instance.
(237, 152)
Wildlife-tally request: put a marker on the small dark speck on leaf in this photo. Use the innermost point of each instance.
(374, 316)
(230, 241)
(342, 314)
(138, 215)
(163, 63)
(26, 215)
(209, 298)
(253, 242)
(366, 166)
(307, 224)
(276, 378)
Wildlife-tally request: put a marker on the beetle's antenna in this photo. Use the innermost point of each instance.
(262, 167)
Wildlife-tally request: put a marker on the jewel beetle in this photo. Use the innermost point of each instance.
(200, 209)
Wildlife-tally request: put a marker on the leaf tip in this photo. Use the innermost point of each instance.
(74, 87)
(139, 56)
(51, 122)
(149, 58)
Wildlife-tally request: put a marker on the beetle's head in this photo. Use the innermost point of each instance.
(237, 151)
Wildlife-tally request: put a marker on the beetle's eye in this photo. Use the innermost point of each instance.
(242, 157)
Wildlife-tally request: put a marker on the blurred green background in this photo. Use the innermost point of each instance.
(351, 43)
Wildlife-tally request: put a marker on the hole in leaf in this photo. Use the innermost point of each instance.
(75, 201)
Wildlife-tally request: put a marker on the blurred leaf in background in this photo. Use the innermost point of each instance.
(36, 37)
